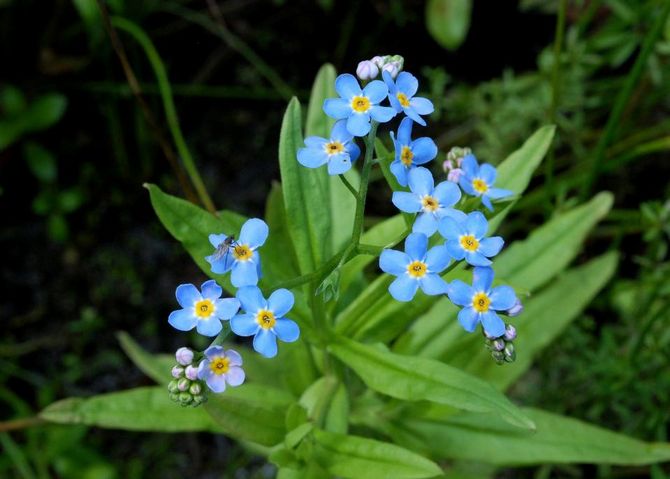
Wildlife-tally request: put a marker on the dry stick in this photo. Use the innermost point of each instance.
(135, 88)
(17, 424)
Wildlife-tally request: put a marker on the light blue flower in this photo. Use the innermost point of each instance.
(480, 302)
(220, 367)
(408, 153)
(264, 320)
(202, 311)
(339, 151)
(478, 181)
(416, 268)
(431, 202)
(358, 106)
(466, 239)
(240, 254)
(401, 96)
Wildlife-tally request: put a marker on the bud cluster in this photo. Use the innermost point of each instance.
(369, 69)
(502, 347)
(186, 389)
(452, 165)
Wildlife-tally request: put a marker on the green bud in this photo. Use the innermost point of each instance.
(185, 399)
(174, 397)
(195, 389)
(499, 356)
(510, 353)
(183, 384)
(172, 386)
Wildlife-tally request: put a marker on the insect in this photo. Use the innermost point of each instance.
(223, 248)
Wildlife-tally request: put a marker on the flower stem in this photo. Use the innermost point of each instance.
(363, 190)
(349, 186)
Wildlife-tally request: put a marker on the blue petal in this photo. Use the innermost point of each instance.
(339, 164)
(493, 325)
(347, 86)
(407, 83)
(395, 104)
(376, 91)
(476, 259)
(405, 201)
(216, 382)
(450, 229)
(220, 265)
(358, 124)
(216, 240)
(340, 132)
(432, 285)
(469, 165)
(411, 113)
(476, 224)
(312, 157)
(455, 214)
(502, 298)
(394, 262)
(235, 358)
(404, 288)
(491, 246)
(316, 141)
(235, 376)
(382, 114)
(388, 79)
(227, 308)
(337, 108)
(425, 223)
(416, 245)
(244, 273)
(405, 132)
(209, 327)
(460, 293)
(424, 150)
(213, 351)
(447, 193)
(455, 249)
(437, 259)
(265, 343)
(487, 202)
(466, 185)
(420, 181)
(187, 295)
(353, 150)
(286, 330)
(400, 172)
(487, 173)
(422, 106)
(468, 318)
(183, 319)
(254, 233)
(497, 193)
(211, 290)
(482, 279)
(244, 324)
(280, 302)
(251, 298)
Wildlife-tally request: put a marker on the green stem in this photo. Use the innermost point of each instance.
(363, 190)
(349, 186)
(168, 104)
(622, 99)
(223, 335)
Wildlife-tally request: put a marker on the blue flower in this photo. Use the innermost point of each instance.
(203, 312)
(466, 239)
(431, 202)
(415, 268)
(339, 151)
(358, 106)
(401, 96)
(478, 181)
(264, 320)
(220, 367)
(480, 302)
(239, 255)
(410, 153)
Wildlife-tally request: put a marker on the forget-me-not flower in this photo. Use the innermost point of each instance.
(416, 268)
(202, 311)
(401, 96)
(264, 319)
(478, 180)
(480, 302)
(466, 239)
(220, 367)
(358, 106)
(339, 151)
(240, 254)
(431, 202)
(408, 153)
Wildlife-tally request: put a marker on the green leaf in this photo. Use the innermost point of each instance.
(558, 439)
(305, 195)
(415, 379)
(327, 404)
(318, 123)
(448, 21)
(41, 162)
(38, 115)
(279, 256)
(355, 457)
(157, 367)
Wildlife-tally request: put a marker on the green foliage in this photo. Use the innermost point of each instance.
(448, 21)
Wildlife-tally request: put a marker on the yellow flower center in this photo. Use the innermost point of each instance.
(469, 242)
(242, 252)
(402, 98)
(265, 319)
(480, 185)
(481, 302)
(417, 269)
(429, 203)
(204, 309)
(360, 104)
(220, 365)
(406, 156)
(334, 147)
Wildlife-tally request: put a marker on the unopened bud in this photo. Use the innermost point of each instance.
(499, 356)
(191, 372)
(456, 154)
(172, 386)
(174, 397)
(510, 333)
(516, 309)
(195, 389)
(185, 398)
(399, 60)
(498, 345)
(184, 356)
(393, 68)
(367, 70)
(177, 371)
(183, 384)
(197, 400)
(510, 353)
(455, 175)
(447, 166)
(379, 61)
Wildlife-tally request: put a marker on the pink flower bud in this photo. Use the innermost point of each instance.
(191, 373)
(447, 166)
(177, 371)
(393, 68)
(367, 70)
(183, 384)
(184, 356)
(455, 175)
